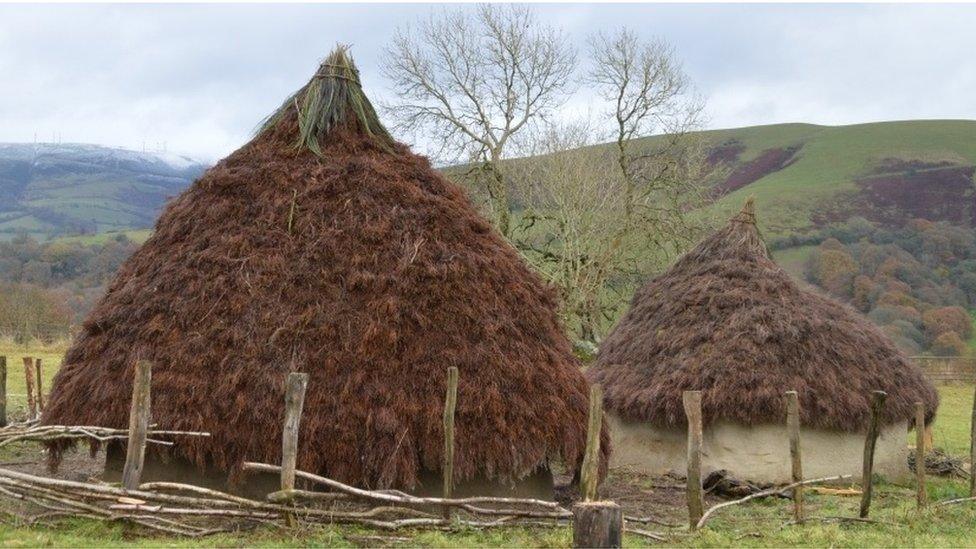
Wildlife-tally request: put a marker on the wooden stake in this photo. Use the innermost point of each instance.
(294, 403)
(590, 472)
(29, 380)
(40, 385)
(972, 451)
(793, 427)
(3, 391)
(597, 524)
(877, 403)
(696, 498)
(139, 412)
(450, 404)
(920, 450)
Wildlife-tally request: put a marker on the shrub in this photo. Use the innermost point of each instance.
(834, 271)
(890, 314)
(865, 293)
(948, 344)
(942, 320)
(897, 299)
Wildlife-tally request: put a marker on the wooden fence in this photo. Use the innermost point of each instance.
(947, 369)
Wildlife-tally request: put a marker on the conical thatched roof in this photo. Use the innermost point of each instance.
(323, 246)
(726, 320)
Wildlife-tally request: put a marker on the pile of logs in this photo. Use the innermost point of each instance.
(941, 464)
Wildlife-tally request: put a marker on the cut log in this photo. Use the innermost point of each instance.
(597, 524)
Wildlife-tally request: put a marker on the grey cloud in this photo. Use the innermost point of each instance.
(200, 77)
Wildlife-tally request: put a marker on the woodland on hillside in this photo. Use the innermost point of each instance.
(917, 282)
(46, 288)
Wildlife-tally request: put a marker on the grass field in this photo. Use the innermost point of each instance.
(136, 235)
(50, 356)
(759, 524)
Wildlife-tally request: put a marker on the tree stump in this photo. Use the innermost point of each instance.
(597, 524)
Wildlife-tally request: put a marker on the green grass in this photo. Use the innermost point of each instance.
(793, 260)
(758, 524)
(136, 235)
(951, 428)
(16, 381)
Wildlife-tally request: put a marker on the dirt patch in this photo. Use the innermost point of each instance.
(769, 161)
(31, 458)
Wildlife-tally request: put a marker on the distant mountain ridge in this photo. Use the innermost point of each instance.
(802, 176)
(49, 189)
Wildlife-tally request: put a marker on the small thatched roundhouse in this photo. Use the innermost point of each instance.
(323, 246)
(726, 320)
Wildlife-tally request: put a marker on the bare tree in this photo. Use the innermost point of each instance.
(649, 93)
(570, 229)
(599, 218)
(473, 81)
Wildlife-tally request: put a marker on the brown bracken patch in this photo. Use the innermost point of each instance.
(897, 191)
(726, 152)
(769, 161)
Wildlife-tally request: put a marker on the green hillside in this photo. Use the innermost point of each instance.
(805, 176)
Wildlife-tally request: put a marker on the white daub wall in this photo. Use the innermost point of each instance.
(758, 453)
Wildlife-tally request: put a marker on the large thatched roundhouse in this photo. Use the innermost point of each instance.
(726, 320)
(324, 246)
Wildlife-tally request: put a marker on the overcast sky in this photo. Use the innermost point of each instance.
(200, 78)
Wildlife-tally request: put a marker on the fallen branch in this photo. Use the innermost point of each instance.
(829, 520)
(651, 520)
(184, 504)
(30, 431)
(764, 493)
(551, 509)
(644, 533)
(953, 501)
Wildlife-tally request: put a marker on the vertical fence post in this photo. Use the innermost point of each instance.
(135, 451)
(590, 473)
(920, 450)
(696, 498)
(3, 391)
(29, 381)
(972, 451)
(294, 402)
(793, 427)
(595, 523)
(450, 404)
(877, 403)
(40, 386)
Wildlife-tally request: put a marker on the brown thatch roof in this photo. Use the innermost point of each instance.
(726, 320)
(323, 246)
